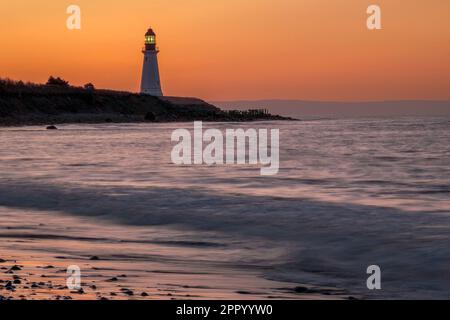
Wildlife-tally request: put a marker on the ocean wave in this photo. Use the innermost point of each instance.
(331, 244)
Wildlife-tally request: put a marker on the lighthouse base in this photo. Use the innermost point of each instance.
(152, 92)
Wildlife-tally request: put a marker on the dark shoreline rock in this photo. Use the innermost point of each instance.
(15, 268)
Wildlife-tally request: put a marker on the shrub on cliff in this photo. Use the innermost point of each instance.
(57, 82)
(89, 86)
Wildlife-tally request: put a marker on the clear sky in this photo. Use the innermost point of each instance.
(237, 49)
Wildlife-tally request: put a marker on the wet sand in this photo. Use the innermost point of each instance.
(39, 279)
(36, 250)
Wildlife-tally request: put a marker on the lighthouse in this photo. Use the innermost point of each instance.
(150, 83)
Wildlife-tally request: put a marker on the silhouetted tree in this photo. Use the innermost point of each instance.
(89, 86)
(57, 82)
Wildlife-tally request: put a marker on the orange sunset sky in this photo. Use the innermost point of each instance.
(237, 49)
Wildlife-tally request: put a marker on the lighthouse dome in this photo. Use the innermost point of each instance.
(150, 32)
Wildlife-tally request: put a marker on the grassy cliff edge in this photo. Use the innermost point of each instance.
(35, 104)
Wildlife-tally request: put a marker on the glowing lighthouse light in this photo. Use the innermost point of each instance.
(150, 83)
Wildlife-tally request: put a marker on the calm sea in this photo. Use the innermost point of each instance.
(349, 194)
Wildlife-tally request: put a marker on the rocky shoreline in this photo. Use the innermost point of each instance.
(35, 104)
(107, 280)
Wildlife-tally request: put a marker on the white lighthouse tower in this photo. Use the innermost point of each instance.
(150, 83)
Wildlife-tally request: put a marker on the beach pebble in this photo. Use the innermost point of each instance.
(113, 279)
(94, 258)
(243, 292)
(49, 267)
(9, 286)
(2, 261)
(15, 268)
(80, 291)
(52, 128)
(127, 291)
(144, 294)
(303, 290)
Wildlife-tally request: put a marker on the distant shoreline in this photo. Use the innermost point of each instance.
(23, 104)
(305, 109)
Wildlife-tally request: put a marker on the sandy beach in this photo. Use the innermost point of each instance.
(35, 256)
